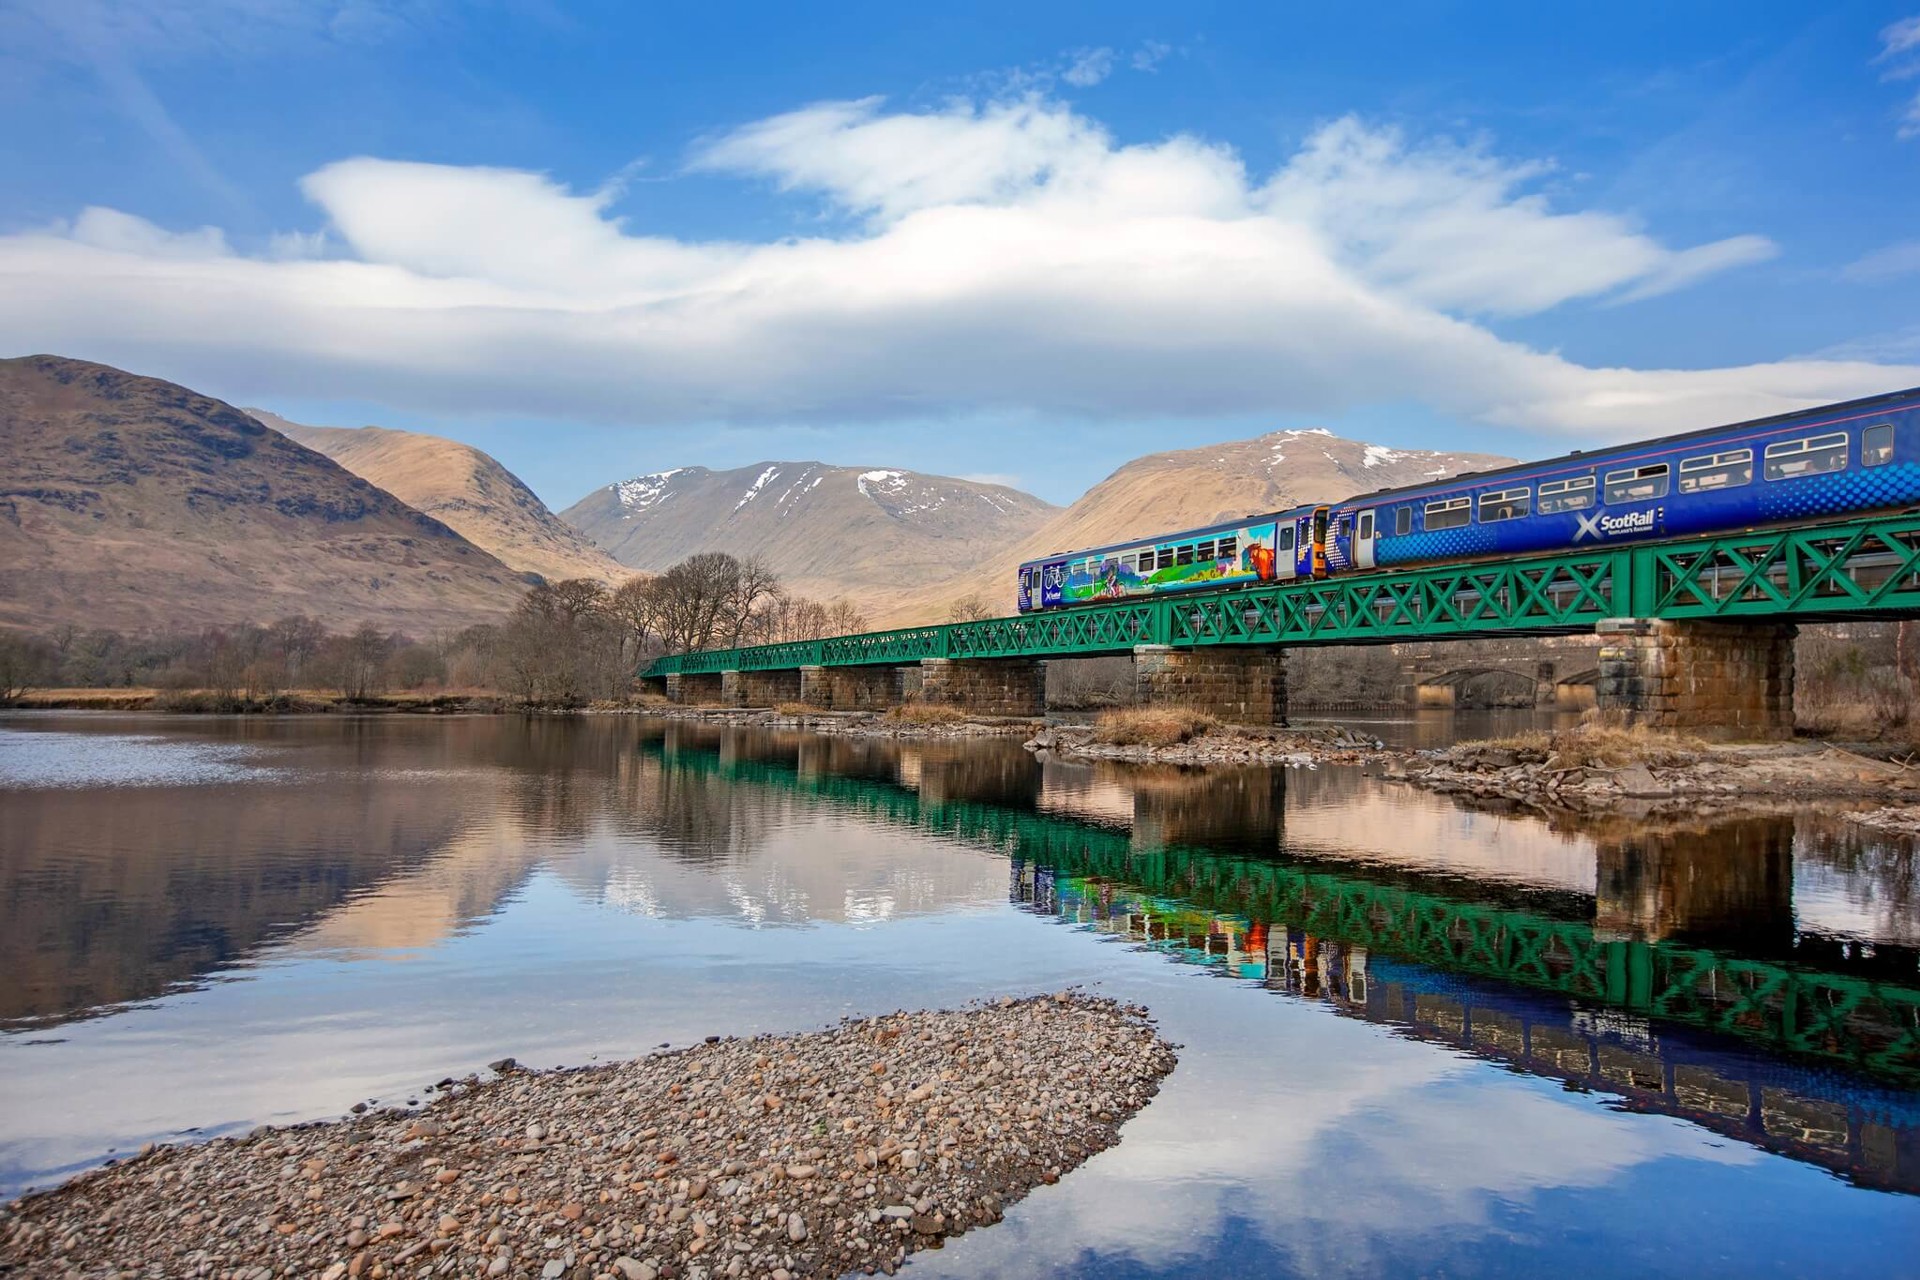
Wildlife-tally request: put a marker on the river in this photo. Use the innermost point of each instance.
(1416, 1038)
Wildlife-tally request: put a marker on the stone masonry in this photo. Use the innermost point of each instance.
(759, 688)
(1712, 679)
(986, 686)
(694, 688)
(850, 688)
(1239, 686)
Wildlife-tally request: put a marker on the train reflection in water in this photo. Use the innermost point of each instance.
(1866, 1133)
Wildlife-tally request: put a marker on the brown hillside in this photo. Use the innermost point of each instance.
(465, 489)
(133, 503)
(828, 531)
(1163, 492)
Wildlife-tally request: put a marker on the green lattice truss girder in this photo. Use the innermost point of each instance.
(1862, 568)
(1869, 1025)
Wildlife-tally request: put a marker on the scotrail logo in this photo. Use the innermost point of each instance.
(1602, 525)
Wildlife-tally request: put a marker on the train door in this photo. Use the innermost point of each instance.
(1320, 542)
(1284, 535)
(1053, 583)
(1363, 540)
(1305, 546)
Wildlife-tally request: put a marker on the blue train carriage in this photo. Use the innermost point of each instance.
(1256, 549)
(1840, 460)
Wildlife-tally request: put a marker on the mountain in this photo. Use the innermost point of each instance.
(133, 503)
(827, 531)
(464, 489)
(1163, 492)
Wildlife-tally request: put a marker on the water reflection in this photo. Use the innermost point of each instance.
(1862, 1129)
(611, 883)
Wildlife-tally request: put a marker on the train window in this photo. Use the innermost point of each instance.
(1727, 470)
(1813, 456)
(1450, 513)
(1637, 484)
(1203, 551)
(1184, 555)
(1285, 541)
(1504, 504)
(1566, 495)
(1366, 526)
(1403, 521)
(1227, 548)
(1876, 445)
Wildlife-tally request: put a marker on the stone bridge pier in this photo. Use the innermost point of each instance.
(1713, 679)
(694, 688)
(1236, 685)
(850, 688)
(986, 686)
(759, 688)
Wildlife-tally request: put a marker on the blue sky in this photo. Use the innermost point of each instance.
(1010, 240)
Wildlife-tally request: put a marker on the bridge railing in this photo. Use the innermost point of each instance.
(1857, 568)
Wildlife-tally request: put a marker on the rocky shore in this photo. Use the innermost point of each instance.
(848, 724)
(807, 1155)
(1655, 774)
(1901, 820)
(1323, 745)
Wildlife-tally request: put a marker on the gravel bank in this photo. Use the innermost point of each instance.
(1676, 779)
(1327, 745)
(808, 1155)
(1900, 820)
(844, 724)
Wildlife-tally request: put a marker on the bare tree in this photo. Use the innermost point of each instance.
(753, 584)
(297, 639)
(698, 602)
(635, 608)
(25, 663)
(969, 608)
(356, 663)
(844, 618)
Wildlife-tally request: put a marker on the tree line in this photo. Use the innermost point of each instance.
(566, 643)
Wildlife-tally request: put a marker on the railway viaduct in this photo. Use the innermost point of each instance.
(1695, 634)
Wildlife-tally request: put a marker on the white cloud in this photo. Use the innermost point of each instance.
(1006, 256)
(1088, 68)
(1900, 54)
(1456, 228)
(1150, 55)
(1901, 259)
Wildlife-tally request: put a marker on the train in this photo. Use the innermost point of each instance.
(1855, 458)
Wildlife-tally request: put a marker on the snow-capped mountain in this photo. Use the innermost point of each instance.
(826, 530)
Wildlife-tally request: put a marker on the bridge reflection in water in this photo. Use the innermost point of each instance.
(1674, 978)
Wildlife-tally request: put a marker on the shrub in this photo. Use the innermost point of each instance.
(1152, 726)
(1600, 746)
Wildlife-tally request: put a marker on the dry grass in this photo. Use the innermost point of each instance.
(927, 713)
(798, 709)
(1152, 726)
(1595, 746)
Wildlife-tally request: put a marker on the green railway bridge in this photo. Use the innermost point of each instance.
(1697, 633)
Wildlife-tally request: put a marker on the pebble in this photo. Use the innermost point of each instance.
(667, 1166)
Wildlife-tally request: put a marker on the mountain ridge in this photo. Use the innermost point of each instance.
(138, 504)
(827, 530)
(466, 489)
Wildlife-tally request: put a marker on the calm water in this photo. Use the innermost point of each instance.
(1417, 1039)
